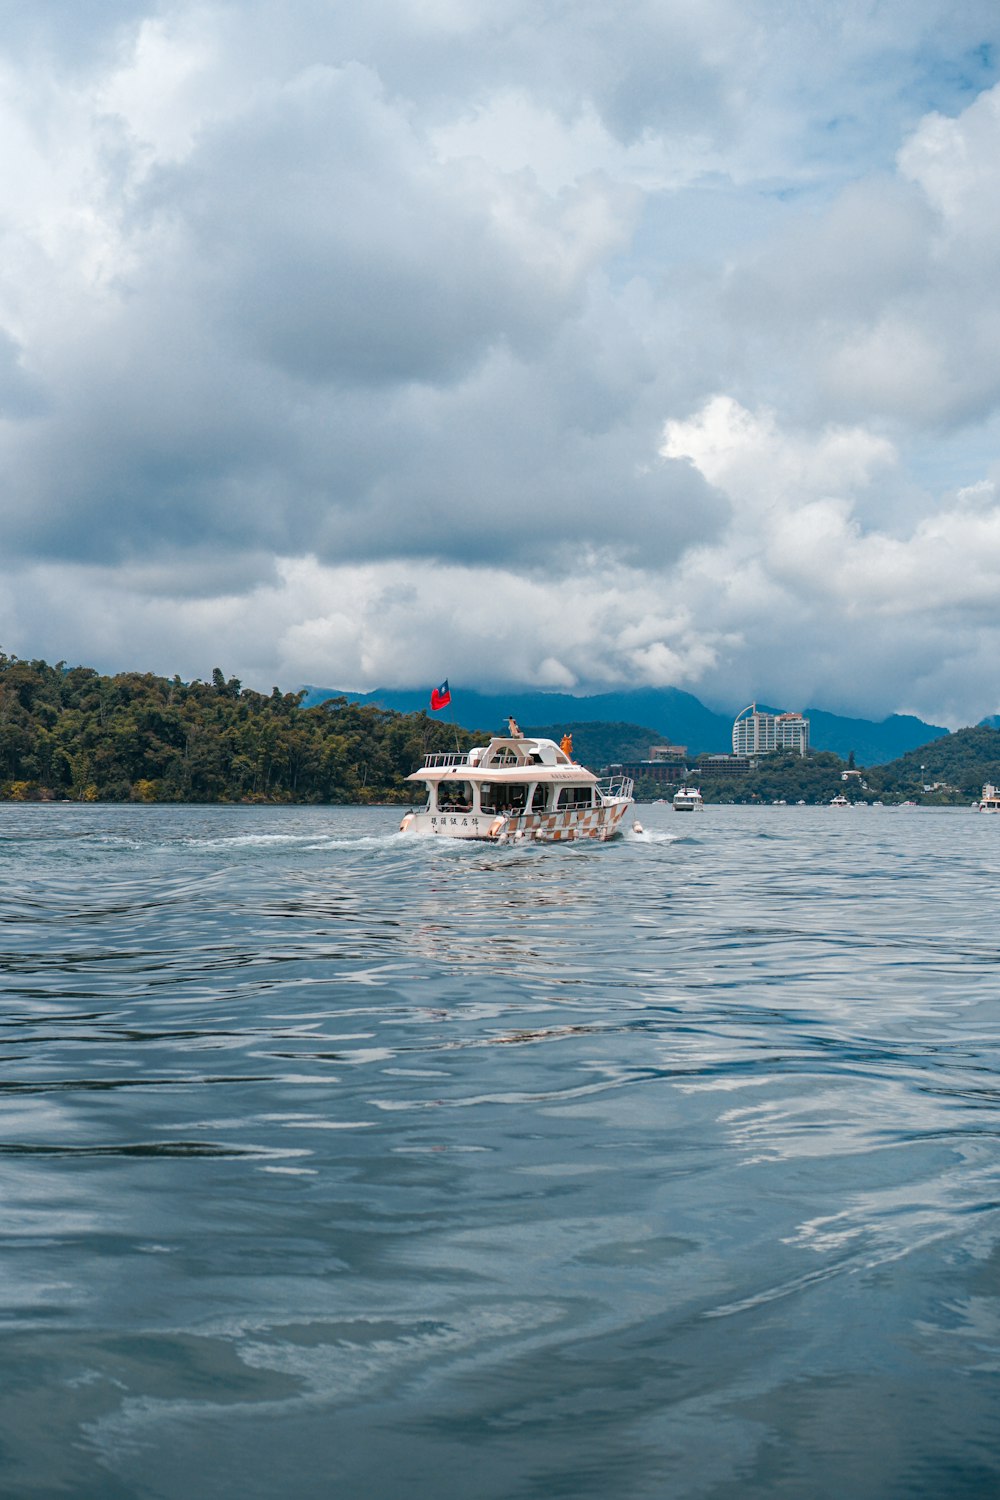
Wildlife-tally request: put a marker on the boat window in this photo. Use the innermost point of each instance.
(497, 796)
(540, 798)
(575, 796)
(454, 796)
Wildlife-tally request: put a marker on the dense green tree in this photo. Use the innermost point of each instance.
(956, 766)
(71, 733)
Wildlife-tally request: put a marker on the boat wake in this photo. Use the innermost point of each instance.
(292, 841)
(642, 835)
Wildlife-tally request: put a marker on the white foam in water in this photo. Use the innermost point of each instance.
(306, 841)
(248, 840)
(644, 835)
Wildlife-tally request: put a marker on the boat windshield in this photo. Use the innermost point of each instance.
(454, 796)
(575, 796)
(497, 796)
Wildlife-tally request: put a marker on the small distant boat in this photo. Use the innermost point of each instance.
(839, 801)
(688, 799)
(909, 803)
(990, 799)
(516, 788)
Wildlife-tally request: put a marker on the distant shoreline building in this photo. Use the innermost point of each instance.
(725, 765)
(668, 752)
(756, 732)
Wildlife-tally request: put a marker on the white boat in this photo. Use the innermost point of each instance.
(688, 799)
(839, 801)
(514, 789)
(990, 799)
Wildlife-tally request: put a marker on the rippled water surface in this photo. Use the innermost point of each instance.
(341, 1164)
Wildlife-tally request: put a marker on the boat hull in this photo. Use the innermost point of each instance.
(600, 823)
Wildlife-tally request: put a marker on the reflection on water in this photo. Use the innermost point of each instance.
(338, 1163)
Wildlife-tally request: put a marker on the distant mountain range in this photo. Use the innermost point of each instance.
(671, 714)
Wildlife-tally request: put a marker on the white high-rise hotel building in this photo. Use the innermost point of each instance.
(756, 732)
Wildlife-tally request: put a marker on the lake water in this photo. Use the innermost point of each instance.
(337, 1164)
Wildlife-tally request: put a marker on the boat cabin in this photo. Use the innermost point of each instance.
(504, 796)
(510, 775)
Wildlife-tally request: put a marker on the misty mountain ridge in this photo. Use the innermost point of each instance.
(678, 717)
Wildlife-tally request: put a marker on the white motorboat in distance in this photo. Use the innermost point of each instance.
(514, 789)
(688, 799)
(990, 799)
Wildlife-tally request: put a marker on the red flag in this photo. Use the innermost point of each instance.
(440, 697)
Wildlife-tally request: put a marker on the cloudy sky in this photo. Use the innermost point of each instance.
(514, 341)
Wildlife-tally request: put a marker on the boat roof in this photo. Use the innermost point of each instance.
(506, 758)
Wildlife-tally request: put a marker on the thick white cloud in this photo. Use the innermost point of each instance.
(564, 345)
(828, 607)
(485, 625)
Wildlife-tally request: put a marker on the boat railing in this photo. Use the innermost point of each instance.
(615, 786)
(443, 758)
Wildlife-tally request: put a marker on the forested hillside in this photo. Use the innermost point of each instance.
(963, 760)
(69, 733)
(597, 745)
